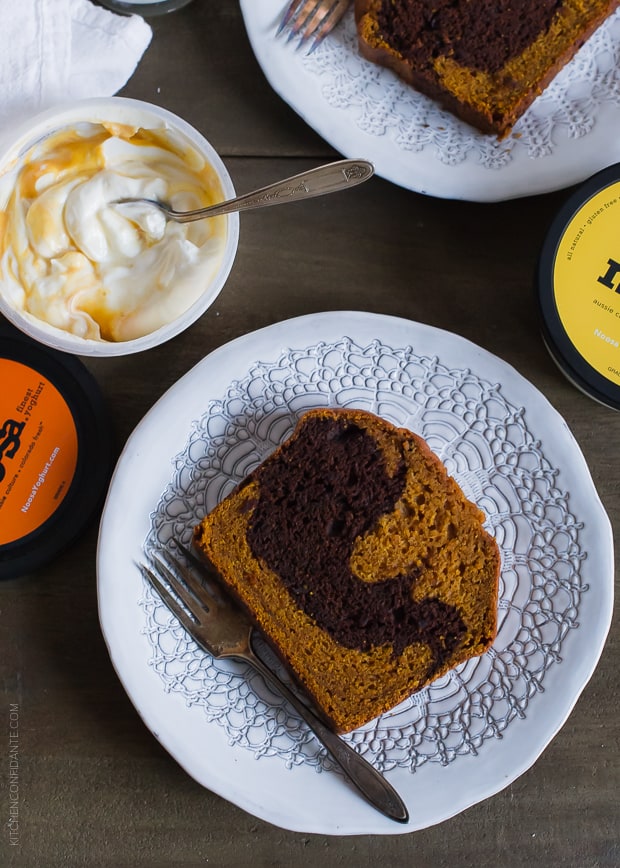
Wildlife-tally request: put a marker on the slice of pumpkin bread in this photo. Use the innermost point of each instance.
(361, 561)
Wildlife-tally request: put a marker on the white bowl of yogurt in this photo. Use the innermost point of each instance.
(83, 274)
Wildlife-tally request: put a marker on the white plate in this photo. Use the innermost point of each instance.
(363, 110)
(473, 731)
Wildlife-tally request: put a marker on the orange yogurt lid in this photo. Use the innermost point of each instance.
(55, 451)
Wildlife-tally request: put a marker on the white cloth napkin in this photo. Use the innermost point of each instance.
(55, 51)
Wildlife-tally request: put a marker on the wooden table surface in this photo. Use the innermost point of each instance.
(95, 787)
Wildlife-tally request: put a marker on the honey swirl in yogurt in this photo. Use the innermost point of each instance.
(74, 258)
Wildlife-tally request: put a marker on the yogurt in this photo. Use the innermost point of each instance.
(74, 258)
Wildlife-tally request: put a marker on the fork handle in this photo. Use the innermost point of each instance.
(370, 783)
(316, 182)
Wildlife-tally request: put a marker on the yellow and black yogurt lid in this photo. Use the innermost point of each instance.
(56, 451)
(579, 287)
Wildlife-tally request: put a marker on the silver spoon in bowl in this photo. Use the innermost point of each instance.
(316, 182)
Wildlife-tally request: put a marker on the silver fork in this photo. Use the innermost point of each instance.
(222, 629)
(312, 19)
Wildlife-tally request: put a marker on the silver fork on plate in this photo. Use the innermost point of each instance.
(222, 629)
(312, 20)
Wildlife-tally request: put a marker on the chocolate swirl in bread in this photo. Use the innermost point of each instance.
(305, 530)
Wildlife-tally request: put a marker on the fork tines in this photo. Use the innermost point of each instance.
(312, 20)
(173, 575)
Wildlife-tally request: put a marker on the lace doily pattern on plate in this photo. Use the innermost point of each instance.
(486, 445)
(383, 105)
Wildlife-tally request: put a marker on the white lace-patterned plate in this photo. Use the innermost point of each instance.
(470, 733)
(363, 110)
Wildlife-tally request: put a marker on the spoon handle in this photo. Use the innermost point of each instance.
(316, 182)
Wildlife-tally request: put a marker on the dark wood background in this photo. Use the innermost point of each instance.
(95, 787)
